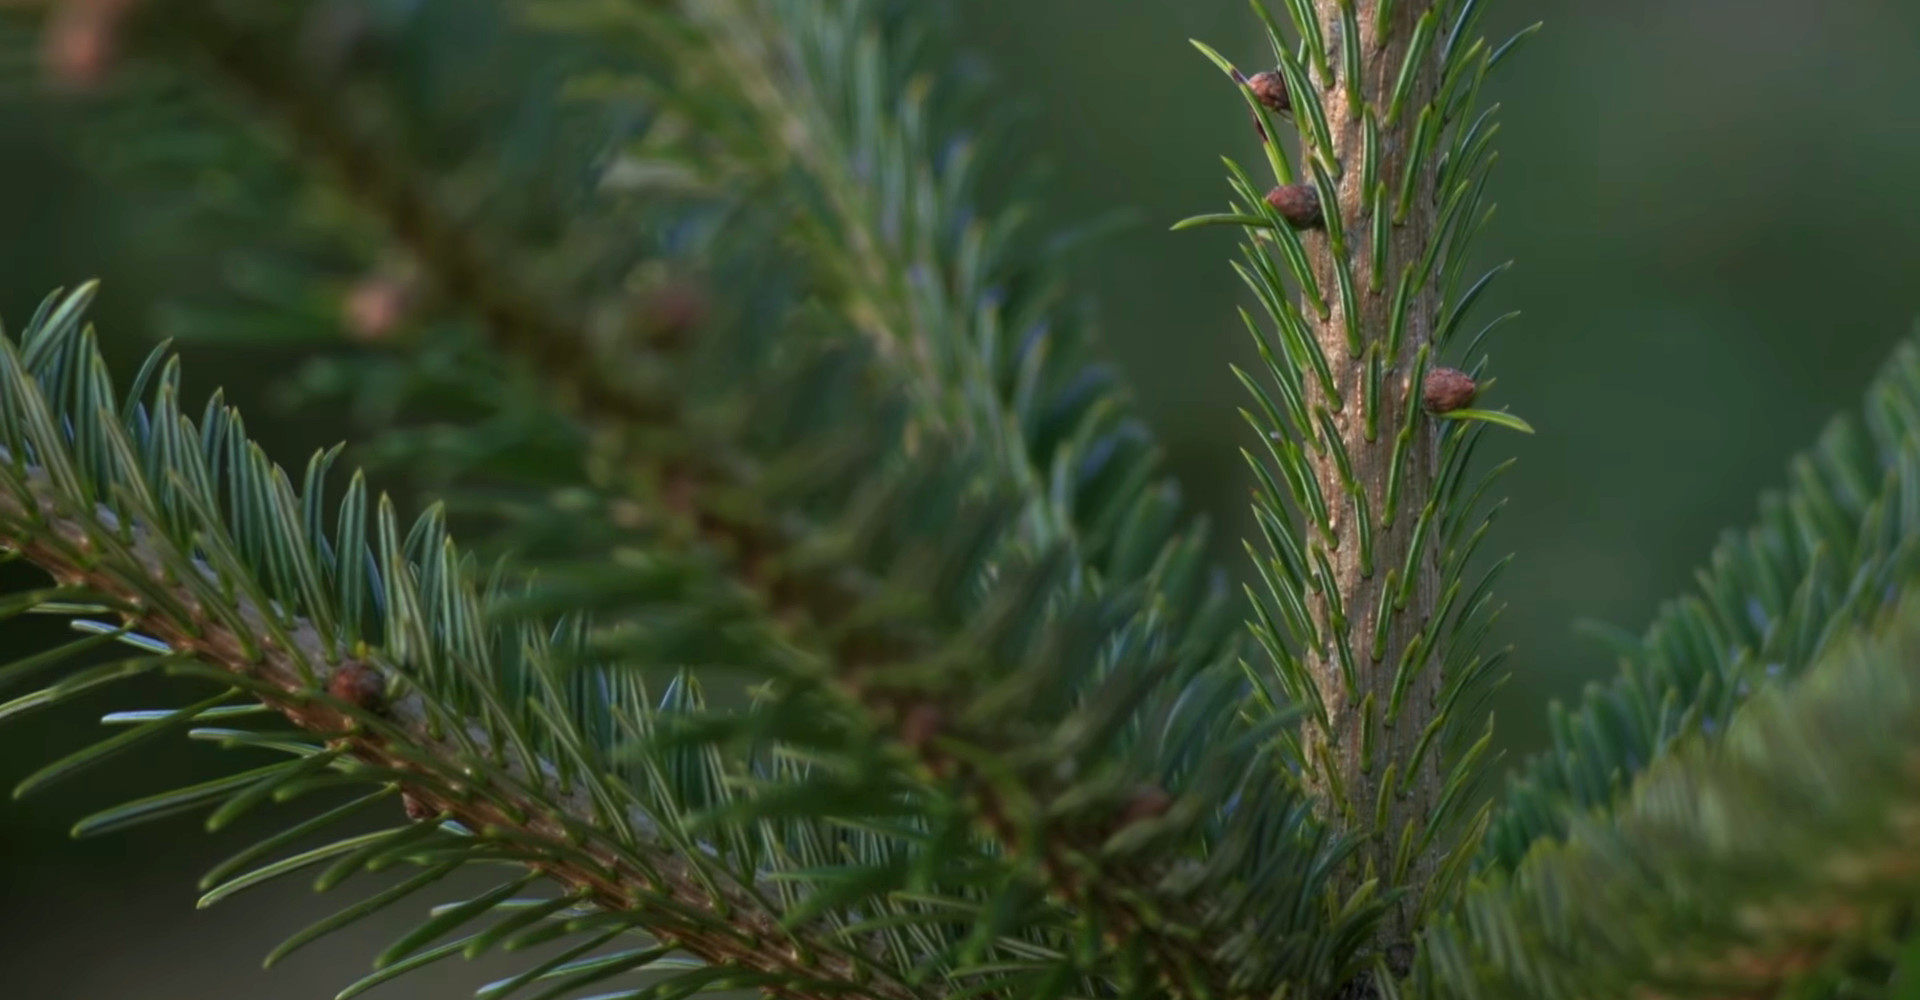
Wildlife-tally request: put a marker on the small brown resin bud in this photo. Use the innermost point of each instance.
(1299, 204)
(675, 311)
(360, 686)
(1148, 802)
(377, 307)
(79, 46)
(1448, 389)
(922, 724)
(1270, 89)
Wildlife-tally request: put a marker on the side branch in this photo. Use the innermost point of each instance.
(1746, 864)
(822, 609)
(560, 833)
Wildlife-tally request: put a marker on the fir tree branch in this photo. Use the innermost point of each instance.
(757, 53)
(816, 90)
(1737, 866)
(1356, 257)
(213, 610)
(253, 602)
(825, 597)
(1150, 905)
(379, 177)
(540, 820)
(1825, 555)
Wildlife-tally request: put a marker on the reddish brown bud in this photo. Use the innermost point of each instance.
(78, 48)
(922, 724)
(377, 306)
(1270, 89)
(1299, 204)
(417, 810)
(675, 311)
(1148, 802)
(1448, 389)
(360, 686)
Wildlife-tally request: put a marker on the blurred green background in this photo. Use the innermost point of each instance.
(1711, 205)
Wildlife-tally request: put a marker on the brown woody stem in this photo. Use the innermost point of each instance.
(1351, 774)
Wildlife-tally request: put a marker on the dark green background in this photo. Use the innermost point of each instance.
(1710, 202)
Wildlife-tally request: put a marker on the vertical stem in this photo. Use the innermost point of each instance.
(1365, 752)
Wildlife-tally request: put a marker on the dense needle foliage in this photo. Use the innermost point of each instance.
(823, 623)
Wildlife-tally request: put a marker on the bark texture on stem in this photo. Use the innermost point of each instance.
(1358, 775)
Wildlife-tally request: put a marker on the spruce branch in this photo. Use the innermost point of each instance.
(527, 812)
(823, 91)
(1356, 257)
(373, 170)
(1130, 651)
(1825, 555)
(126, 503)
(190, 589)
(1750, 864)
(827, 597)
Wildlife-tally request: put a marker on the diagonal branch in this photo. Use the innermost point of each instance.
(1064, 851)
(560, 832)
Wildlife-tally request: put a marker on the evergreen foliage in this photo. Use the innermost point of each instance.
(1828, 553)
(1773, 860)
(829, 627)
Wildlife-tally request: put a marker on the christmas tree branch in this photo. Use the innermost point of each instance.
(1089, 838)
(1735, 866)
(393, 726)
(817, 90)
(1356, 258)
(1823, 556)
(824, 597)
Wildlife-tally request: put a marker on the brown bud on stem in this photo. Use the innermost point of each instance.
(1148, 802)
(417, 811)
(922, 724)
(78, 48)
(359, 685)
(377, 306)
(673, 312)
(1448, 389)
(1270, 89)
(1299, 204)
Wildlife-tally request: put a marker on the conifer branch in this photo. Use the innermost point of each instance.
(920, 272)
(1143, 651)
(379, 177)
(1824, 555)
(336, 688)
(253, 601)
(1356, 258)
(756, 53)
(541, 821)
(827, 598)
(1736, 866)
